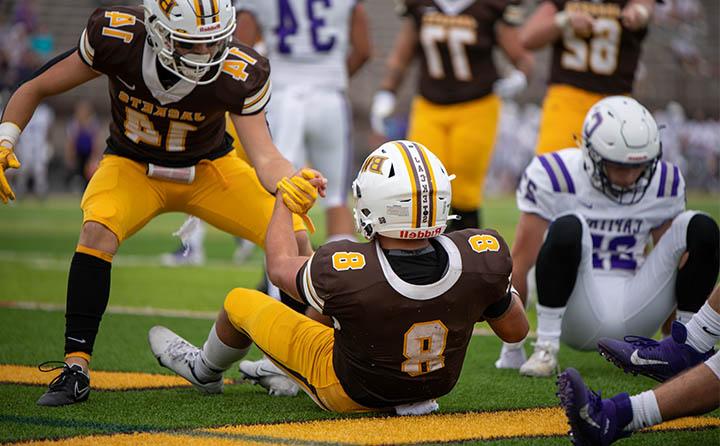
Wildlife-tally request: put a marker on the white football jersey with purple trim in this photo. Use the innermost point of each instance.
(307, 40)
(556, 183)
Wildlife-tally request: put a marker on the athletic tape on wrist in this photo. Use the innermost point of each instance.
(10, 132)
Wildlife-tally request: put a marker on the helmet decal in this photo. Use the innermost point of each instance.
(166, 6)
(422, 182)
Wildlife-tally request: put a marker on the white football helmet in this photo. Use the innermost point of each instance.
(620, 130)
(402, 191)
(174, 27)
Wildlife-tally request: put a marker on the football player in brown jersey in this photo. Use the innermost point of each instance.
(596, 47)
(173, 72)
(457, 108)
(403, 306)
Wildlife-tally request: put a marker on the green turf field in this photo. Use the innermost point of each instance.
(36, 243)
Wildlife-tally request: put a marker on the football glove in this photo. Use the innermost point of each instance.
(510, 86)
(299, 195)
(9, 134)
(383, 105)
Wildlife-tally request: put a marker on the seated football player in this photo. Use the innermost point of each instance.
(403, 306)
(692, 393)
(587, 217)
(173, 71)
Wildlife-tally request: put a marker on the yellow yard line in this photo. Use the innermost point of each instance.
(382, 430)
(18, 374)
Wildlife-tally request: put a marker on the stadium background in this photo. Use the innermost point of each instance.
(680, 64)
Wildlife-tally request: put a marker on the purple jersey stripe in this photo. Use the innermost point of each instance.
(663, 177)
(566, 174)
(676, 182)
(551, 174)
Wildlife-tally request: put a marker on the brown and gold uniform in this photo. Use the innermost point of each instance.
(455, 113)
(586, 69)
(395, 340)
(179, 126)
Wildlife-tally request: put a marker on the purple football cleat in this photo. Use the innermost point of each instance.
(657, 360)
(593, 420)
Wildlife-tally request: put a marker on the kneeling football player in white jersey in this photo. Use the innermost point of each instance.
(403, 306)
(587, 219)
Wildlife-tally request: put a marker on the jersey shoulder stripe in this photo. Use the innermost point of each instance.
(669, 180)
(558, 173)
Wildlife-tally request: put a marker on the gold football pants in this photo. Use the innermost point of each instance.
(225, 193)
(563, 113)
(300, 346)
(462, 135)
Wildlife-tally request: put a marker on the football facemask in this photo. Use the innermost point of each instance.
(402, 191)
(619, 130)
(190, 37)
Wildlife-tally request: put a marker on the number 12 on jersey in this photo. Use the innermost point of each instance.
(288, 25)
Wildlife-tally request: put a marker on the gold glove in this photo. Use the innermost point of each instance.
(8, 160)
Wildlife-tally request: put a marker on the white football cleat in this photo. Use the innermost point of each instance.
(181, 257)
(180, 356)
(511, 358)
(269, 376)
(543, 362)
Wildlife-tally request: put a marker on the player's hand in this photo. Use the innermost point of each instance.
(8, 160)
(581, 23)
(510, 86)
(383, 106)
(300, 191)
(635, 16)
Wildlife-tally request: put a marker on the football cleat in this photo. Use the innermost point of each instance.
(269, 376)
(593, 421)
(658, 360)
(180, 356)
(543, 362)
(183, 257)
(71, 386)
(511, 358)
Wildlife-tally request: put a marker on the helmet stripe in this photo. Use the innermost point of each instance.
(199, 12)
(431, 178)
(414, 183)
(214, 11)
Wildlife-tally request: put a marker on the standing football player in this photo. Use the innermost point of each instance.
(596, 47)
(403, 306)
(173, 72)
(587, 217)
(457, 107)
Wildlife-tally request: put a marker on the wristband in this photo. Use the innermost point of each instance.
(9, 132)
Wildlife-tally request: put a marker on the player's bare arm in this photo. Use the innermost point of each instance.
(637, 13)
(283, 260)
(547, 24)
(400, 57)
(513, 325)
(529, 236)
(359, 40)
(247, 31)
(508, 38)
(64, 75)
(269, 163)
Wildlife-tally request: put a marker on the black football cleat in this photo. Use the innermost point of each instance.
(71, 386)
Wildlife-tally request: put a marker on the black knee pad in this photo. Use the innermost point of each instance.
(558, 261)
(696, 279)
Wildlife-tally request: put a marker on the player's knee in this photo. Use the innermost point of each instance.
(703, 237)
(97, 236)
(565, 235)
(239, 302)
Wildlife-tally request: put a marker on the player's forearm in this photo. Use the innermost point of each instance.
(22, 105)
(356, 60)
(280, 240)
(272, 170)
(541, 29)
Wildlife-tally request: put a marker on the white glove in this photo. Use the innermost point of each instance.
(383, 105)
(508, 87)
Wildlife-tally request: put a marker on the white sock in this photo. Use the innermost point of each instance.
(683, 316)
(645, 411)
(703, 330)
(509, 346)
(339, 237)
(216, 357)
(549, 324)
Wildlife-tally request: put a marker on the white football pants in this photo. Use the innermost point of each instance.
(607, 304)
(312, 127)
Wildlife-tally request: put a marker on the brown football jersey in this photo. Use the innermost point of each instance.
(604, 62)
(456, 39)
(172, 127)
(399, 343)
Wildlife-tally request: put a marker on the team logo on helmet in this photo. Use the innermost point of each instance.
(166, 6)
